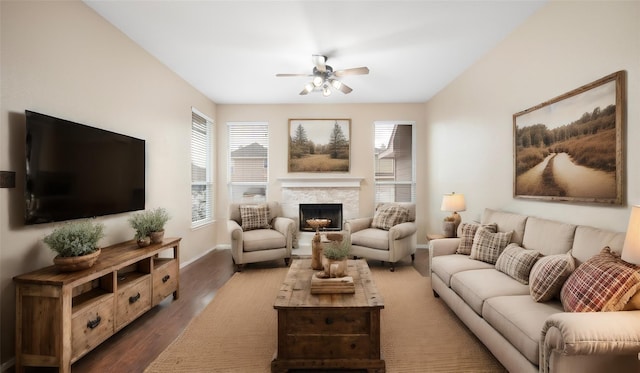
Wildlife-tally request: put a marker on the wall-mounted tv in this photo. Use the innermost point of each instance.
(76, 171)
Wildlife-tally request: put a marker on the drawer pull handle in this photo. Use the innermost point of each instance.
(166, 278)
(134, 298)
(92, 324)
(328, 321)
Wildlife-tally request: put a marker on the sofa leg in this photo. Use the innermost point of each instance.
(239, 267)
(435, 295)
(393, 267)
(286, 262)
(413, 257)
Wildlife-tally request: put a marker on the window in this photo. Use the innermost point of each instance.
(248, 161)
(201, 169)
(394, 158)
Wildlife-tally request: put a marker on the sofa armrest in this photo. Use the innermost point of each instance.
(402, 230)
(443, 246)
(358, 224)
(590, 333)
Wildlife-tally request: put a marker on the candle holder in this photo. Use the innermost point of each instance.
(316, 244)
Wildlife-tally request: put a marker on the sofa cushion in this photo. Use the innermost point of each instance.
(603, 283)
(548, 236)
(468, 232)
(507, 222)
(263, 239)
(516, 262)
(588, 241)
(371, 237)
(488, 246)
(548, 275)
(446, 265)
(475, 286)
(386, 216)
(519, 319)
(254, 217)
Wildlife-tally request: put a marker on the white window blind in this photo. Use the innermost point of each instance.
(201, 169)
(394, 158)
(248, 161)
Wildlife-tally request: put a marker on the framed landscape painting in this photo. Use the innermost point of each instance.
(319, 145)
(570, 148)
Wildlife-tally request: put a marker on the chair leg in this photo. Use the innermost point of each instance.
(435, 295)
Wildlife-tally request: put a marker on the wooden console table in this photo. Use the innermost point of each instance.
(62, 316)
(328, 331)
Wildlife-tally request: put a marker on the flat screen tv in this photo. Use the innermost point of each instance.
(76, 171)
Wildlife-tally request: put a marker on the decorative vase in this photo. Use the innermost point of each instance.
(156, 237)
(144, 241)
(449, 229)
(75, 263)
(334, 267)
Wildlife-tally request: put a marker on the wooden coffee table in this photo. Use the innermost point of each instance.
(328, 331)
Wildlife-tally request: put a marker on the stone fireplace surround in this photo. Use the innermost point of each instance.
(316, 189)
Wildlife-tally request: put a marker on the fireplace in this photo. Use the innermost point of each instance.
(331, 211)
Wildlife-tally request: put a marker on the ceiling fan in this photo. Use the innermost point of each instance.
(324, 77)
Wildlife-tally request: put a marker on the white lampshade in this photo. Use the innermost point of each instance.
(631, 247)
(453, 202)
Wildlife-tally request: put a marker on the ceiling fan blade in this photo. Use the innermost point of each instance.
(340, 86)
(286, 75)
(320, 62)
(353, 71)
(307, 89)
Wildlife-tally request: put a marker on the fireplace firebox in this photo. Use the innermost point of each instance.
(331, 211)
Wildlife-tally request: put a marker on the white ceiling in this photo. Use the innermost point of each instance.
(231, 50)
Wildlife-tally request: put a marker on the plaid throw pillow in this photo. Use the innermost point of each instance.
(254, 217)
(487, 246)
(548, 275)
(389, 215)
(468, 231)
(516, 262)
(603, 283)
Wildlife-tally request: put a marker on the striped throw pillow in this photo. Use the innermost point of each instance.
(488, 246)
(516, 262)
(468, 232)
(254, 217)
(548, 275)
(389, 215)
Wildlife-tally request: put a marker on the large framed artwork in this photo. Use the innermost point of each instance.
(319, 145)
(570, 148)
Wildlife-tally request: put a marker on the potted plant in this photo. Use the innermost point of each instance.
(76, 244)
(158, 217)
(334, 256)
(149, 225)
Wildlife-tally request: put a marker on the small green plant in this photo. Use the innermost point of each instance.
(337, 250)
(75, 238)
(146, 222)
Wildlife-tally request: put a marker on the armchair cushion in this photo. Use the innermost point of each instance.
(263, 239)
(371, 237)
(254, 217)
(386, 216)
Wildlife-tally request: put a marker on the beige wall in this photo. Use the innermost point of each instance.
(469, 124)
(362, 165)
(62, 59)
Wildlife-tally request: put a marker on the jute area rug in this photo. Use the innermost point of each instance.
(236, 332)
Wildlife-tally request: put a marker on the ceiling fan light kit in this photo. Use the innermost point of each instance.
(324, 77)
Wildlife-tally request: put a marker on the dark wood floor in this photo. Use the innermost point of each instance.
(133, 348)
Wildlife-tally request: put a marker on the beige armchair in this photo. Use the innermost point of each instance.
(263, 235)
(390, 235)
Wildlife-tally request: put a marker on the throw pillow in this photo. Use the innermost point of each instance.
(468, 231)
(603, 283)
(548, 275)
(254, 217)
(516, 262)
(487, 246)
(389, 215)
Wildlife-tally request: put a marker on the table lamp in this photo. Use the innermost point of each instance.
(631, 247)
(453, 203)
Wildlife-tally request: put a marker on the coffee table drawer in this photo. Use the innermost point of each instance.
(328, 321)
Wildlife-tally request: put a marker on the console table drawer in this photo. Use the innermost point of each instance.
(91, 326)
(165, 279)
(133, 300)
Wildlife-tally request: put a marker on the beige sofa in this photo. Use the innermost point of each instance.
(524, 335)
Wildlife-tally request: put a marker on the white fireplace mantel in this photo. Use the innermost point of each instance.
(320, 182)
